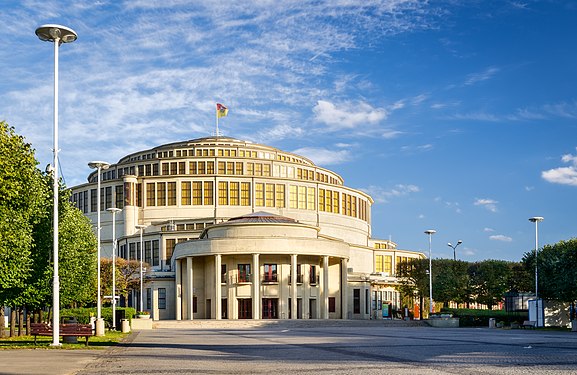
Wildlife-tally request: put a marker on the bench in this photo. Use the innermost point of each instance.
(529, 324)
(69, 329)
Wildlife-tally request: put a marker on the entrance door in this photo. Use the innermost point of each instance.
(270, 308)
(208, 309)
(245, 308)
(312, 308)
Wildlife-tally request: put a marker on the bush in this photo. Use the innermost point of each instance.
(83, 314)
(480, 318)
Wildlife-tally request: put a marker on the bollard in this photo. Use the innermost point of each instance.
(492, 323)
(125, 325)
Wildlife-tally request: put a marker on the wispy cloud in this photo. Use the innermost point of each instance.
(489, 204)
(563, 175)
(500, 237)
(485, 75)
(323, 156)
(383, 195)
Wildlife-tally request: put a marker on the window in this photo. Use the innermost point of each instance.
(311, 198)
(245, 308)
(148, 252)
(201, 167)
(197, 193)
(234, 201)
(379, 263)
(259, 194)
(367, 309)
(356, 301)
(388, 264)
(148, 298)
(313, 279)
(302, 197)
(280, 201)
(269, 195)
(162, 298)
(161, 193)
(270, 273)
(293, 197)
(169, 248)
(223, 273)
(208, 194)
(244, 273)
(185, 193)
(223, 193)
(150, 195)
(155, 253)
(245, 193)
(209, 167)
(321, 199)
(93, 200)
(139, 195)
(171, 193)
(332, 305)
(119, 196)
(132, 250)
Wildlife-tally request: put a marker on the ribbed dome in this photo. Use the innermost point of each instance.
(261, 217)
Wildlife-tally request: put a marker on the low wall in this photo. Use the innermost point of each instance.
(443, 322)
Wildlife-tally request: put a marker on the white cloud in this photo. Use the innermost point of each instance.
(563, 175)
(488, 230)
(481, 76)
(489, 204)
(500, 237)
(323, 156)
(382, 195)
(347, 115)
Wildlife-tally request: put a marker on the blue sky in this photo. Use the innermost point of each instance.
(459, 116)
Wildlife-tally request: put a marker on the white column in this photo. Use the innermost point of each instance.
(217, 287)
(294, 286)
(325, 288)
(344, 288)
(255, 287)
(189, 288)
(178, 298)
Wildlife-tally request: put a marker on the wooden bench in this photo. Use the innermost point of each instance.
(69, 329)
(529, 324)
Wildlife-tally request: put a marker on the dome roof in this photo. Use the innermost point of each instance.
(261, 217)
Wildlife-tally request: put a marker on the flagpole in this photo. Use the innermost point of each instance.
(216, 120)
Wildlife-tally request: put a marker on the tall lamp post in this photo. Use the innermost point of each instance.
(99, 166)
(114, 211)
(454, 247)
(57, 34)
(141, 228)
(536, 220)
(430, 232)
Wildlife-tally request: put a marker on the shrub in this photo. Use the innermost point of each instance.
(480, 318)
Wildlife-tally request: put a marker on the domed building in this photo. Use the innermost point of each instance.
(230, 229)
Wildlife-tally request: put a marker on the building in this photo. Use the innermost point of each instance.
(237, 230)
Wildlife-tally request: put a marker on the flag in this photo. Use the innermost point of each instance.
(221, 110)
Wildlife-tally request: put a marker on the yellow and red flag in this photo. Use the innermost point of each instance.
(221, 110)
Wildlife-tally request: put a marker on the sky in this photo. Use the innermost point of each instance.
(457, 116)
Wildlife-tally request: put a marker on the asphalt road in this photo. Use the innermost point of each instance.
(370, 349)
(342, 350)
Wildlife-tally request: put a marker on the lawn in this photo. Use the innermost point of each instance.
(111, 338)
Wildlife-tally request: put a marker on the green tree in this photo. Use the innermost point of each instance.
(450, 280)
(414, 280)
(490, 280)
(22, 200)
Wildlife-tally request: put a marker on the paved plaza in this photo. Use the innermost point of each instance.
(348, 349)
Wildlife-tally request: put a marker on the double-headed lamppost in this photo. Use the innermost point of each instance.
(536, 220)
(56, 34)
(141, 228)
(454, 247)
(99, 166)
(430, 232)
(114, 211)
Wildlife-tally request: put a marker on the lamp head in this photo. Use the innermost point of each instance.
(430, 231)
(450, 244)
(113, 210)
(459, 242)
(51, 33)
(535, 219)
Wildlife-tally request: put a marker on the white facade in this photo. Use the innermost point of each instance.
(290, 218)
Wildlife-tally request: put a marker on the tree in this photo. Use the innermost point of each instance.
(127, 276)
(23, 196)
(490, 281)
(450, 280)
(414, 280)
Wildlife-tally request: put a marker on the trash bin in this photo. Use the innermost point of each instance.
(69, 339)
(492, 323)
(125, 324)
(120, 316)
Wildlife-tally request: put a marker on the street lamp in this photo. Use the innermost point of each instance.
(455, 248)
(99, 166)
(430, 232)
(536, 220)
(114, 211)
(57, 34)
(141, 228)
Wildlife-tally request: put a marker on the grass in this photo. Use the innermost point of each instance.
(111, 338)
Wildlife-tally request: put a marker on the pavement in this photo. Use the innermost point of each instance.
(311, 347)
